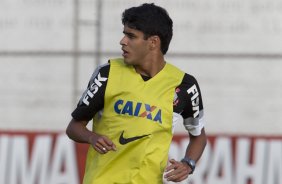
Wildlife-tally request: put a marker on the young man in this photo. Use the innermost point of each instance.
(134, 103)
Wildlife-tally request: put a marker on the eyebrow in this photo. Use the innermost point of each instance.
(129, 33)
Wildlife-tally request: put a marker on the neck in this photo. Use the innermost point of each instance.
(151, 67)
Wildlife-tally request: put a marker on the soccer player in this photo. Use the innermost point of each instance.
(134, 102)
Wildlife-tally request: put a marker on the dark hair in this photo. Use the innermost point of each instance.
(151, 20)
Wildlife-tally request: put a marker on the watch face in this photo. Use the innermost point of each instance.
(192, 162)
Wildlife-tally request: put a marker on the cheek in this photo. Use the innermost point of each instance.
(140, 48)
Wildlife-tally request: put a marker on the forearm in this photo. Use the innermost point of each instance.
(179, 170)
(196, 146)
(78, 131)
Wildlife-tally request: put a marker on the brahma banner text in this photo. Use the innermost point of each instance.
(52, 158)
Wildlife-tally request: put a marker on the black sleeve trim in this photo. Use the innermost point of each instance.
(92, 100)
(189, 99)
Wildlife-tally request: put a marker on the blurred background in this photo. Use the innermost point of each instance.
(49, 49)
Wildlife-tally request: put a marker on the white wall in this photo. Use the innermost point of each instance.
(240, 96)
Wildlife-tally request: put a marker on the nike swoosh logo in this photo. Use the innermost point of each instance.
(124, 141)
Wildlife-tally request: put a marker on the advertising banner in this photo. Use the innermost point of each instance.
(52, 158)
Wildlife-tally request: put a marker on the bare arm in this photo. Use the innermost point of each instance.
(179, 171)
(196, 146)
(78, 132)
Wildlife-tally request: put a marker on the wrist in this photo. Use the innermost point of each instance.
(190, 162)
(91, 137)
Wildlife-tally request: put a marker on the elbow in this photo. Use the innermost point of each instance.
(75, 129)
(204, 138)
(205, 141)
(68, 131)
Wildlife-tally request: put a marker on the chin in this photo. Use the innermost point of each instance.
(127, 61)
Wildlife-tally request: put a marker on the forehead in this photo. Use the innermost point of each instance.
(128, 30)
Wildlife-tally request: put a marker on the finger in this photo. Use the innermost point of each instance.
(114, 148)
(182, 178)
(172, 173)
(168, 175)
(99, 149)
(177, 179)
(177, 176)
(172, 161)
(170, 167)
(106, 143)
(103, 146)
(110, 145)
(104, 149)
(179, 171)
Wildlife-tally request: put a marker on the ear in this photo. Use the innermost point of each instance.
(155, 42)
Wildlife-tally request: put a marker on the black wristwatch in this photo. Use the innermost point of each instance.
(191, 163)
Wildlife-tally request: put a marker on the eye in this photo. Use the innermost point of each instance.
(131, 36)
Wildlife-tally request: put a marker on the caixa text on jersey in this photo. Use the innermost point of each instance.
(138, 109)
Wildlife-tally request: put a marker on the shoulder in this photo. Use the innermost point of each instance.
(103, 69)
(190, 86)
(173, 73)
(116, 62)
(100, 71)
(173, 69)
(190, 93)
(189, 80)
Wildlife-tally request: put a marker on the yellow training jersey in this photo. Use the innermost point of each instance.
(137, 117)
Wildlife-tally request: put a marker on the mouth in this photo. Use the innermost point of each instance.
(124, 53)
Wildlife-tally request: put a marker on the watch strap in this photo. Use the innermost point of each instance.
(191, 163)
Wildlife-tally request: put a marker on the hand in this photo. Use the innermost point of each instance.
(177, 171)
(101, 143)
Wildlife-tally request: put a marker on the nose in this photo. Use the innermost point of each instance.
(123, 41)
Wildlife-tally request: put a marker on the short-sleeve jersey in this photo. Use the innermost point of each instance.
(137, 114)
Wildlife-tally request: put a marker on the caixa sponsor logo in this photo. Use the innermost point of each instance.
(139, 110)
(93, 89)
